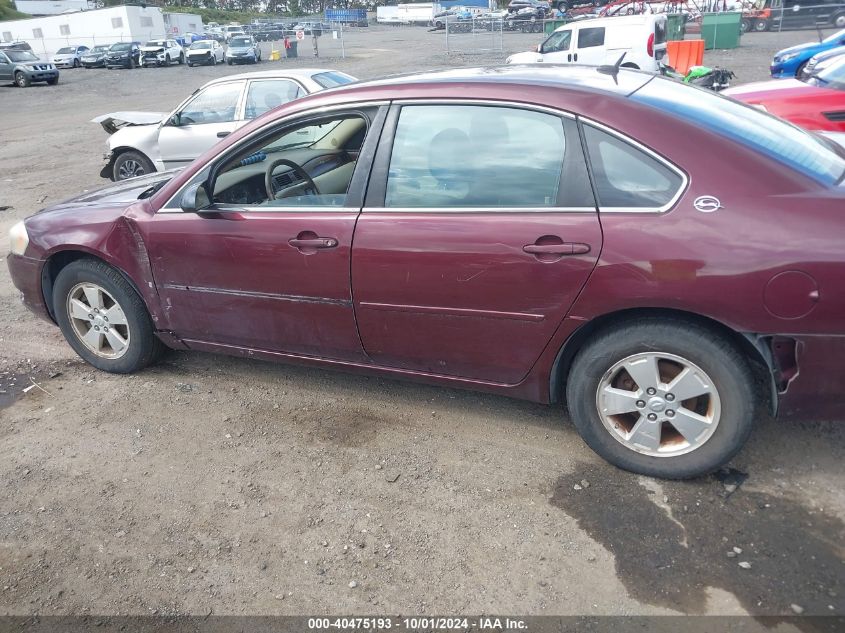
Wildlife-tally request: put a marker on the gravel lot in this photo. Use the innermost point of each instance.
(212, 484)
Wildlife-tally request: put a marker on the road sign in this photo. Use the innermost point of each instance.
(300, 35)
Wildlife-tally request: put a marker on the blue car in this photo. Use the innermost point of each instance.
(791, 61)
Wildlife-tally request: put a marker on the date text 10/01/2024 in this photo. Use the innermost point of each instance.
(417, 623)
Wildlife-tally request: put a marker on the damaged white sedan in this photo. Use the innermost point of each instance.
(146, 142)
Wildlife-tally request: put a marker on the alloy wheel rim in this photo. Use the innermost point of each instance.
(130, 168)
(658, 404)
(98, 320)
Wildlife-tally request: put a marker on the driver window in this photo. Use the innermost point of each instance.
(558, 41)
(215, 104)
(310, 164)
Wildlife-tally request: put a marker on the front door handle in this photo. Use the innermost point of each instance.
(315, 242)
(566, 248)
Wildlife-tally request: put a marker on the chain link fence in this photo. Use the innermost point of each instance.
(476, 35)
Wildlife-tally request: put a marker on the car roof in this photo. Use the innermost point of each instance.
(294, 73)
(582, 78)
(616, 20)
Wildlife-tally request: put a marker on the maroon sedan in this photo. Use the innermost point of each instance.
(555, 236)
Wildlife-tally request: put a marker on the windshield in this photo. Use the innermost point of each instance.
(240, 42)
(836, 37)
(121, 46)
(200, 45)
(21, 56)
(332, 78)
(102, 48)
(762, 132)
(67, 50)
(832, 76)
(156, 43)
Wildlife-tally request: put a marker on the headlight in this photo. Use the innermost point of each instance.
(18, 238)
(789, 56)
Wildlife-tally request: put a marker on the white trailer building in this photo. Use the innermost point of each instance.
(53, 7)
(178, 24)
(48, 34)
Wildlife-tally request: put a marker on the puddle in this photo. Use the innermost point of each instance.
(668, 551)
(11, 387)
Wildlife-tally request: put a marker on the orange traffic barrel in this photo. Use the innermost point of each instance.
(684, 54)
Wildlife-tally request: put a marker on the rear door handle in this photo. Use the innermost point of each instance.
(567, 248)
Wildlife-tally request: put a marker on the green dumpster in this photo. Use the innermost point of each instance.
(676, 26)
(550, 26)
(721, 30)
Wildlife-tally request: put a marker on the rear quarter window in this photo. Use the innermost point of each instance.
(740, 123)
(659, 31)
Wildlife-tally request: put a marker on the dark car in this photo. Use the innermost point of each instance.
(96, 57)
(396, 228)
(23, 67)
(799, 14)
(124, 55)
(538, 5)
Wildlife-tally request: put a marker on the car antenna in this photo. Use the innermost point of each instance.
(612, 70)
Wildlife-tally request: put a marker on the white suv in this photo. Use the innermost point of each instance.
(600, 41)
(161, 53)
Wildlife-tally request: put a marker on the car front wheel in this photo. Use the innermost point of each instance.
(103, 318)
(22, 80)
(130, 164)
(662, 398)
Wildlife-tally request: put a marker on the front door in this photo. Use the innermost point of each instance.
(265, 264)
(5, 68)
(199, 123)
(556, 48)
(475, 241)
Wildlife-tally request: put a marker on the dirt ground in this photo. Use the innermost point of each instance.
(216, 485)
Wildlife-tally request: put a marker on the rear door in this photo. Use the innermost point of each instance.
(590, 46)
(478, 232)
(202, 121)
(5, 67)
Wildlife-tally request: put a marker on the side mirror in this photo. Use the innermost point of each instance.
(175, 120)
(194, 199)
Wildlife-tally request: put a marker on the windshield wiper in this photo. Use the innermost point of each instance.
(146, 193)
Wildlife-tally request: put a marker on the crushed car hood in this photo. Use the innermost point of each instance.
(119, 194)
(113, 121)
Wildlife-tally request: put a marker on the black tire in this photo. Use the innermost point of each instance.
(22, 80)
(800, 70)
(144, 347)
(761, 26)
(838, 20)
(723, 363)
(745, 25)
(131, 63)
(167, 60)
(229, 62)
(181, 58)
(190, 65)
(76, 63)
(52, 82)
(121, 165)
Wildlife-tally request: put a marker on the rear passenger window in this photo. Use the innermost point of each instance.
(591, 37)
(659, 32)
(475, 156)
(627, 177)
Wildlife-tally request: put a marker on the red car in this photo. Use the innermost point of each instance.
(575, 236)
(814, 103)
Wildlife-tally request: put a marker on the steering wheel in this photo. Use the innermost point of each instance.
(298, 169)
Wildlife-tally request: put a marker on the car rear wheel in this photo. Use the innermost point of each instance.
(662, 398)
(22, 80)
(76, 63)
(167, 60)
(103, 318)
(761, 26)
(745, 25)
(181, 58)
(130, 164)
(839, 20)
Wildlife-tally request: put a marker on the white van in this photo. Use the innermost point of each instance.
(599, 41)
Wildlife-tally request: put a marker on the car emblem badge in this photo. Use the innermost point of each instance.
(707, 204)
